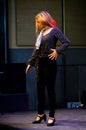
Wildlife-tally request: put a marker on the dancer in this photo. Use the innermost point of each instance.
(44, 59)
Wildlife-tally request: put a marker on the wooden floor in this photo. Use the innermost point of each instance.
(66, 119)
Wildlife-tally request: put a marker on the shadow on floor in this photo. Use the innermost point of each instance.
(6, 127)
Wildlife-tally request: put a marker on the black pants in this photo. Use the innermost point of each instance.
(47, 75)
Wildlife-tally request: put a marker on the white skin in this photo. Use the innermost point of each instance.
(54, 53)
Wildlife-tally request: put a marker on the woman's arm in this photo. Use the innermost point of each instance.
(65, 43)
(63, 39)
(31, 61)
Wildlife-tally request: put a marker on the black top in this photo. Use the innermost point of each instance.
(50, 41)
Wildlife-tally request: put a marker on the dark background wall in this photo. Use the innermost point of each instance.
(3, 31)
(71, 79)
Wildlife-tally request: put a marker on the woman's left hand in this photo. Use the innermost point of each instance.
(53, 55)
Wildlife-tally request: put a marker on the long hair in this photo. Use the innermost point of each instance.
(45, 18)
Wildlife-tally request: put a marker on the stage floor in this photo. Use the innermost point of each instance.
(66, 119)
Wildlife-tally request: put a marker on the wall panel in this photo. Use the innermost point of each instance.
(25, 18)
(75, 20)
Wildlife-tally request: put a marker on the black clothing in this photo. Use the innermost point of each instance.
(46, 68)
(49, 41)
(47, 75)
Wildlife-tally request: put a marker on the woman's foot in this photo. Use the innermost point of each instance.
(51, 121)
(39, 118)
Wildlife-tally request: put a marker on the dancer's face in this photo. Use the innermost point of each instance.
(39, 24)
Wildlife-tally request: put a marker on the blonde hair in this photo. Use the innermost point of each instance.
(45, 18)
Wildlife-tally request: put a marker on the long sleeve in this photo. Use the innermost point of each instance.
(32, 60)
(63, 39)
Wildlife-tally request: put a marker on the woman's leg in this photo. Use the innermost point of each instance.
(41, 95)
(51, 95)
(51, 78)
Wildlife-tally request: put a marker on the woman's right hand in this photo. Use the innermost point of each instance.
(28, 68)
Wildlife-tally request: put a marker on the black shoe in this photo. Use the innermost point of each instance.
(51, 121)
(40, 119)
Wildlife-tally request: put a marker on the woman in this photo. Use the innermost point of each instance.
(44, 59)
